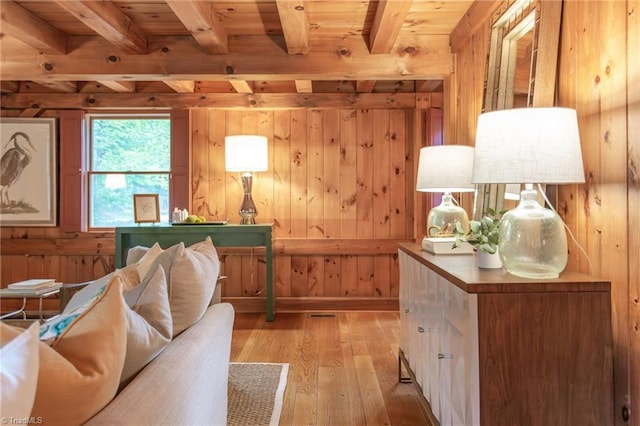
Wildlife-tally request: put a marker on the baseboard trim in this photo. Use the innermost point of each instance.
(315, 304)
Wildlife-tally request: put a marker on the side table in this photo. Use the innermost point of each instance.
(4, 294)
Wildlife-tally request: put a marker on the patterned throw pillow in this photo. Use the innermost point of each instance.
(79, 373)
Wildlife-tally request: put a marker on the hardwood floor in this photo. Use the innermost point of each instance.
(343, 368)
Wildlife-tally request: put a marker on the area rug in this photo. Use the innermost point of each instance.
(256, 393)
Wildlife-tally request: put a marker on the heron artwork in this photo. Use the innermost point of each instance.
(13, 162)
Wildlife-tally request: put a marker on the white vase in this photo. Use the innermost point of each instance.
(488, 260)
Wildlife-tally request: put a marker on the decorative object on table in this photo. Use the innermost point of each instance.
(246, 154)
(445, 245)
(146, 208)
(446, 169)
(28, 172)
(484, 235)
(530, 145)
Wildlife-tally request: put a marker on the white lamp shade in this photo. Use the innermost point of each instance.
(246, 153)
(528, 145)
(445, 168)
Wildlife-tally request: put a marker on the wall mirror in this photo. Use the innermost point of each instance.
(521, 69)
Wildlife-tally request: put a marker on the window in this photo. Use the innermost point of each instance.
(127, 154)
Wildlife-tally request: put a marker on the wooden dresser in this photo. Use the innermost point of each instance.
(489, 348)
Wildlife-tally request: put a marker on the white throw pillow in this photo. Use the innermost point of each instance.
(192, 282)
(19, 358)
(149, 321)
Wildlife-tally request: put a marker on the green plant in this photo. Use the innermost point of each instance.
(482, 234)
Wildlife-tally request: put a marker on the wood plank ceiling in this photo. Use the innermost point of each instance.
(180, 53)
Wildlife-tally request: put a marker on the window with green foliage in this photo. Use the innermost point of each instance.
(128, 154)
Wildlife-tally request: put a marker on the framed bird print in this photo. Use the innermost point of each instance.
(28, 170)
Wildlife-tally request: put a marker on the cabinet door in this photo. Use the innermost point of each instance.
(458, 357)
(434, 321)
(404, 301)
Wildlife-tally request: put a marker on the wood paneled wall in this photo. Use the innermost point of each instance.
(336, 179)
(339, 192)
(599, 76)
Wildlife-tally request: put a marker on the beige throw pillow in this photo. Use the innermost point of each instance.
(192, 281)
(19, 358)
(79, 374)
(149, 324)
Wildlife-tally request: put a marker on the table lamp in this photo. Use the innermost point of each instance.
(446, 169)
(246, 154)
(530, 145)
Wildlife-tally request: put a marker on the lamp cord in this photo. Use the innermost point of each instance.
(584, 252)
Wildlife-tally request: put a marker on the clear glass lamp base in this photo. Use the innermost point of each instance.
(248, 210)
(442, 219)
(532, 240)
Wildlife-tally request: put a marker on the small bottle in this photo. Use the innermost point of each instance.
(177, 214)
(184, 215)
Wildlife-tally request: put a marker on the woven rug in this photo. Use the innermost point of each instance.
(256, 392)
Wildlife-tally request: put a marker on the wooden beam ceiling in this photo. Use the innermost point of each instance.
(106, 19)
(295, 25)
(31, 30)
(198, 18)
(390, 16)
(179, 58)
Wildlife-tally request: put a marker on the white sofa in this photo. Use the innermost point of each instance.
(186, 384)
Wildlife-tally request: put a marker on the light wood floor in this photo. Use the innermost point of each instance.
(343, 368)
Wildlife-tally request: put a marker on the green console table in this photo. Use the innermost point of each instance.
(222, 235)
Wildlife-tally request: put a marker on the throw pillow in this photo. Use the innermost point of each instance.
(128, 275)
(149, 324)
(192, 281)
(19, 374)
(144, 263)
(79, 373)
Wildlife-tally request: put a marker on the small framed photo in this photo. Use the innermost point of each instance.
(146, 208)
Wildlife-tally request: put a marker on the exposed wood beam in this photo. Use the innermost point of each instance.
(428, 85)
(476, 15)
(106, 19)
(241, 86)
(30, 112)
(187, 86)
(198, 18)
(390, 15)
(204, 100)
(295, 25)
(365, 86)
(19, 23)
(180, 58)
(60, 86)
(304, 86)
(120, 86)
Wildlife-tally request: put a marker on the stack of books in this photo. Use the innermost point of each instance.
(31, 287)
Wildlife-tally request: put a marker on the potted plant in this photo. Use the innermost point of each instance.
(482, 234)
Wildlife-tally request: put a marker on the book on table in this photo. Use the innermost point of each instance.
(25, 292)
(444, 245)
(33, 283)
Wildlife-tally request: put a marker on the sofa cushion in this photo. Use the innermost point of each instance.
(19, 373)
(149, 321)
(79, 373)
(192, 282)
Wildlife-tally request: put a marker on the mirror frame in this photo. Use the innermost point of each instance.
(511, 20)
